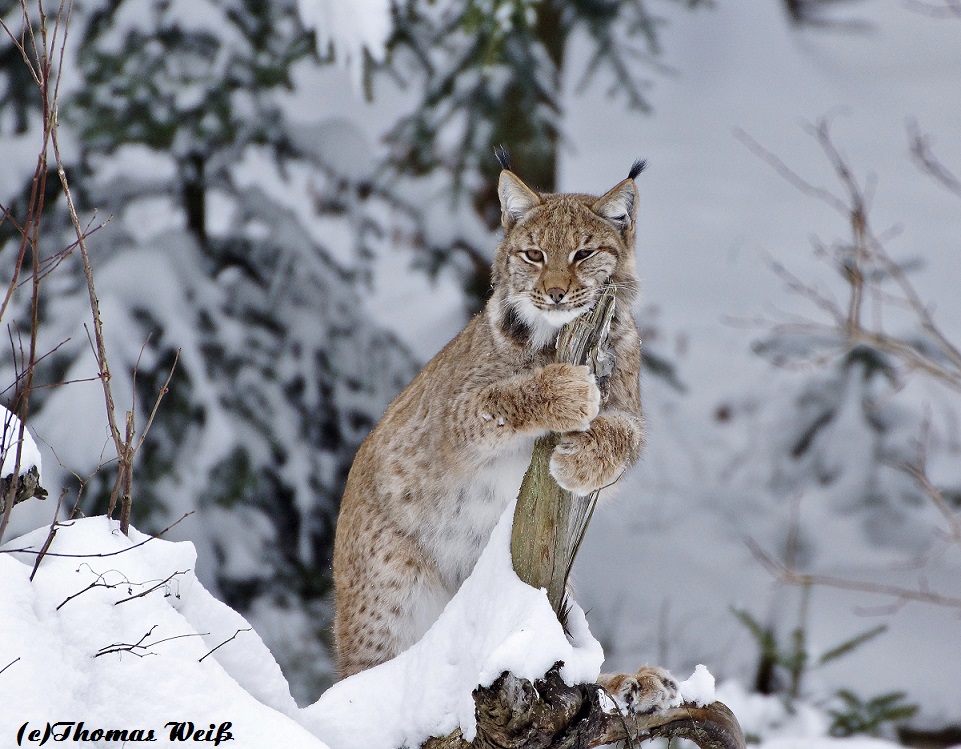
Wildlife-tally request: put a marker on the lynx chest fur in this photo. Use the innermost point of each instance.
(431, 480)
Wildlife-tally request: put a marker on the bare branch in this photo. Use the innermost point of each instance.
(923, 154)
(97, 583)
(50, 535)
(867, 270)
(822, 194)
(792, 576)
(42, 72)
(164, 389)
(136, 647)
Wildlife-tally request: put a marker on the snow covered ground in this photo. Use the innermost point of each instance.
(115, 642)
(115, 632)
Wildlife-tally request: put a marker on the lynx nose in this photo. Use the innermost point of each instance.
(556, 294)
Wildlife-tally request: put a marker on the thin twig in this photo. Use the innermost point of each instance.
(234, 635)
(98, 583)
(9, 664)
(50, 535)
(164, 389)
(786, 574)
(30, 234)
(153, 588)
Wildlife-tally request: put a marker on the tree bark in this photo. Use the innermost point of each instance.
(549, 521)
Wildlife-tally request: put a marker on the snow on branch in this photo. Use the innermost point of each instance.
(349, 29)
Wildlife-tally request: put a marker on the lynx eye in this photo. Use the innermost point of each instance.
(533, 257)
(582, 255)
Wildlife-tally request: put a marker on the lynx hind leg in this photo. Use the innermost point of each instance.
(649, 690)
(389, 610)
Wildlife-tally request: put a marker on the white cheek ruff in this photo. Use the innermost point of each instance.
(544, 323)
(559, 317)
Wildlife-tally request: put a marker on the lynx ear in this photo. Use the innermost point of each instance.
(619, 205)
(516, 199)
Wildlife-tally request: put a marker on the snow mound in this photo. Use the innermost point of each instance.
(698, 689)
(351, 28)
(495, 623)
(117, 632)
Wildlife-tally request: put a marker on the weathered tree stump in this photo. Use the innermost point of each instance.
(513, 713)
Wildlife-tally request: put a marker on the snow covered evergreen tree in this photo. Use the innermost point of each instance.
(181, 141)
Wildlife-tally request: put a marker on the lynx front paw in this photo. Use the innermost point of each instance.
(585, 461)
(569, 397)
(649, 690)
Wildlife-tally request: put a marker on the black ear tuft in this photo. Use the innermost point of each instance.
(637, 168)
(505, 161)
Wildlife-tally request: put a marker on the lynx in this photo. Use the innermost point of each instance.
(429, 483)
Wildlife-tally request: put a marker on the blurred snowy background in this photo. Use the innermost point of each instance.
(301, 203)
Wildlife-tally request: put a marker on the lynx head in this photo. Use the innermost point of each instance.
(557, 253)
